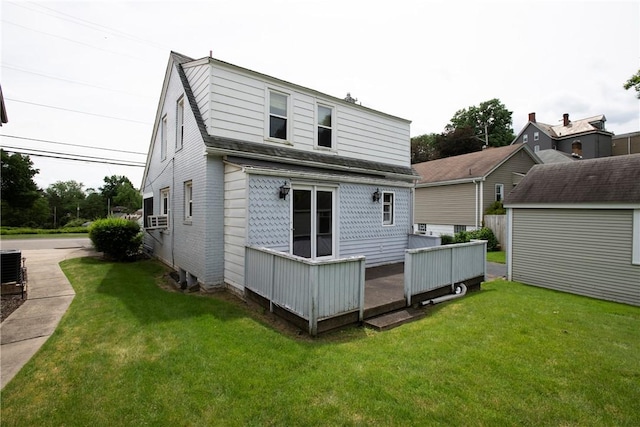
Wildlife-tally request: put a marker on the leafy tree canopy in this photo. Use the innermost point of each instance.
(119, 191)
(18, 188)
(458, 141)
(634, 82)
(491, 115)
(65, 197)
(423, 148)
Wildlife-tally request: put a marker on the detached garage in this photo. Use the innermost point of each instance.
(575, 227)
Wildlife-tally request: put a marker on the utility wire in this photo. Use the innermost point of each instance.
(73, 41)
(23, 70)
(78, 156)
(89, 24)
(88, 160)
(76, 111)
(73, 145)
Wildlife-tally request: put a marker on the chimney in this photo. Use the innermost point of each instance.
(565, 119)
(532, 117)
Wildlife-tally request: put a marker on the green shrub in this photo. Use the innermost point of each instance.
(118, 238)
(495, 208)
(446, 239)
(75, 223)
(483, 233)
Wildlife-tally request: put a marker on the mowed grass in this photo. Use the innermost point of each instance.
(497, 256)
(130, 353)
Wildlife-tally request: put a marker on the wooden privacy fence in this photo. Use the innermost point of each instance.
(311, 289)
(497, 224)
(431, 268)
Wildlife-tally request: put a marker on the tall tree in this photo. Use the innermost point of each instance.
(490, 121)
(458, 141)
(119, 191)
(65, 198)
(423, 148)
(634, 82)
(93, 206)
(23, 204)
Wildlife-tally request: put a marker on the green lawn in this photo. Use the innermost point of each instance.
(496, 256)
(130, 353)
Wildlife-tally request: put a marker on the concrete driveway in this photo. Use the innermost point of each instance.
(49, 294)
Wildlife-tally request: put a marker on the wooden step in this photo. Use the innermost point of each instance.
(395, 319)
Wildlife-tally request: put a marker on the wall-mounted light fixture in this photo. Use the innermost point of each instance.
(284, 190)
(376, 195)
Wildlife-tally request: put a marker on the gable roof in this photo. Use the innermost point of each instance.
(573, 128)
(252, 150)
(604, 180)
(467, 167)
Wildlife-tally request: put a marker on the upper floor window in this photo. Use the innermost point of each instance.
(536, 136)
(499, 192)
(525, 138)
(180, 123)
(325, 126)
(188, 200)
(278, 115)
(536, 148)
(388, 208)
(163, 138)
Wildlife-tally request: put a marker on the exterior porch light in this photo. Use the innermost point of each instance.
(284, 190)
(376, 195)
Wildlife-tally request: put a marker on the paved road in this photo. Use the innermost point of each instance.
(496, 270)
(36, 244)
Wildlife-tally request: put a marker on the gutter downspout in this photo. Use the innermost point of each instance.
(509, 244)
(479, 217)
(476, 213)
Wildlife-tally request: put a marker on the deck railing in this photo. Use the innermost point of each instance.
(431, 268)
(311, 289)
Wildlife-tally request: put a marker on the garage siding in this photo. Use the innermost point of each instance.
(586, 252)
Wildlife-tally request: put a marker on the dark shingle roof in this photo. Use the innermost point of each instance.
(604, 180)
(466, 166)
(284, 154)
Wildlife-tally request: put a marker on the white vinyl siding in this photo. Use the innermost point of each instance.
(235, 214)
(582, 251)
(234, 104)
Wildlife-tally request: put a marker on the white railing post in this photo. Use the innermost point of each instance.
(362, 280)
(313, 300)
(408, 276)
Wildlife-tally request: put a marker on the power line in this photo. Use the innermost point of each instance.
(92, 25)
(89, 159)
(78, 156)
(73, 145)
(76, 111)
(23, 70)
(72, 40)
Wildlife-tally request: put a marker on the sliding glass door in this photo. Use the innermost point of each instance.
(313, 222)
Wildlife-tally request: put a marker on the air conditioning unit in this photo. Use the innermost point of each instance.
(155, 222)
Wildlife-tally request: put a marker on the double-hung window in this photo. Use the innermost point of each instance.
(278, 115)
(499, 192)
(188, 200)
(180, 123)
(163, 138)
(388, 208)
(164, 201)
(325, 126)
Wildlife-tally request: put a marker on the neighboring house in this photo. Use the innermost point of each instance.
(584, 138)
(453, 193)
(555, 156)
(575, 227)
(240, 158)
(626, 143)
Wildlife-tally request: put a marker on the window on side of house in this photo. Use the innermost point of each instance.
(536, 148)
(388, 208)
(147, 210)
(499, 192)
(163, 138)
(180, 123)
(188, 200)
(525, 138)
(165, 206)
(536, 136)
(324, 126)
(278, 115)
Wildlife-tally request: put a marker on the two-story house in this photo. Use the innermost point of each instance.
(583, 139)
(239, 158)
